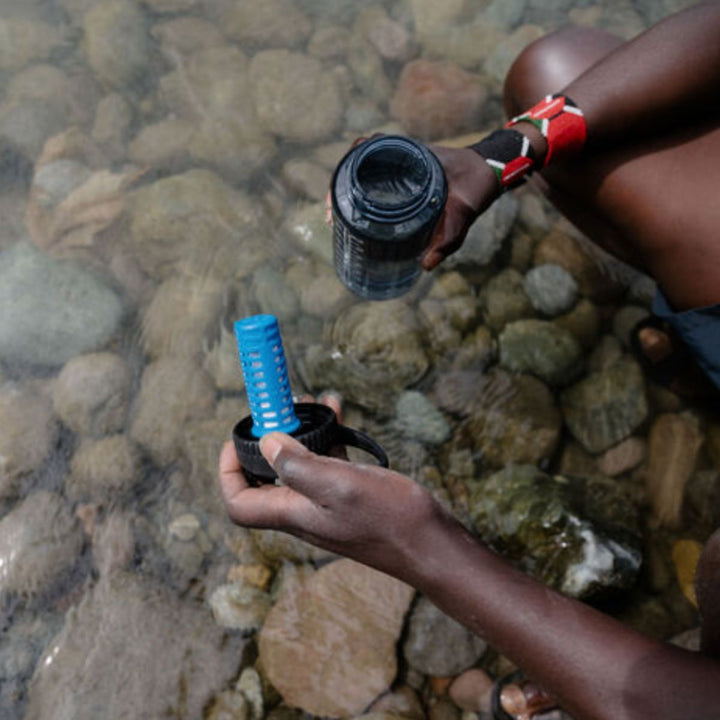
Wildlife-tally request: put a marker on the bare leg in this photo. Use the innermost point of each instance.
(652, 205)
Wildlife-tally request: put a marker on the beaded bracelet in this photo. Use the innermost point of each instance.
(561, 123)
(509, 154)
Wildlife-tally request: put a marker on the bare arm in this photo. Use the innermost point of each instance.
(666, 76)
(597, 668)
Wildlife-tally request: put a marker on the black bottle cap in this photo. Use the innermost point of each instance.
(319, 431)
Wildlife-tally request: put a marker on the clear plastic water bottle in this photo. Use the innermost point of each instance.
(387, 196)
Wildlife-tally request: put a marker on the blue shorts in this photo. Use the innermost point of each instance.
(700, 331)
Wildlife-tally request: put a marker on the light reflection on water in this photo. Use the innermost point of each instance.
(180, 191)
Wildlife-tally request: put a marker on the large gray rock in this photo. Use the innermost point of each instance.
(542, 349)
(295, 97)
(51, 310)
(606, 406)
(438, 645)
(487, 233)
(116, 42)
(328, 645)
(133, 650)
(92, 393)
(40, 541)
(511, 419)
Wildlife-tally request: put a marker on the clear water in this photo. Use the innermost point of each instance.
(188, 202)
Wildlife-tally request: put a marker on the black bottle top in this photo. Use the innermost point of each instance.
(319, 431)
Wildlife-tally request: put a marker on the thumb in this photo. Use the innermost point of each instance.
(298, 467)
(279, 448)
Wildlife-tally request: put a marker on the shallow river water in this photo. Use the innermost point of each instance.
(163, 169)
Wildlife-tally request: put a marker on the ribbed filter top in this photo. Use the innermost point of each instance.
(266, 379)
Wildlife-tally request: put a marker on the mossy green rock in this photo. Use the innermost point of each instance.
(541, 348)
(577, 535)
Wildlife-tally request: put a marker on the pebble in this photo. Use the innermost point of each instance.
(185, 527)
(472, 690)
(551, 289)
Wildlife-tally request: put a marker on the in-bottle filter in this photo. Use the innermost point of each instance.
(316, 426)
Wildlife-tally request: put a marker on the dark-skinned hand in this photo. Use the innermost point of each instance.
(364, 512)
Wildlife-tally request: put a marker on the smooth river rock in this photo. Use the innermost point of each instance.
(132, 649)
(40, 541)
(50, 310)
(328, 645)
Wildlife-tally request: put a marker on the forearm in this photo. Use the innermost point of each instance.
(667, 74)
(596, 667)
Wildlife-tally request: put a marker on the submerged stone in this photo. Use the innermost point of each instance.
(40, 541)
(28, 431)
(376, 351)
(51, 311)
(552, 290)
(417, 418)
(511, 418)
(173, 658)
(328, 645)
(607, 406)
(576, 535)
(541, 348)
(438, 645)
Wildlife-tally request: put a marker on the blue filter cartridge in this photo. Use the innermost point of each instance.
(266, 378)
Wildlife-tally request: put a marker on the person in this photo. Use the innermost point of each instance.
(643, 186)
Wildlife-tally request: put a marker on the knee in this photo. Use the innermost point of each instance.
(552, 62)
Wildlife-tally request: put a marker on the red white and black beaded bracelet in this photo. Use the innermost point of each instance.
(509, 154)
(561, 123)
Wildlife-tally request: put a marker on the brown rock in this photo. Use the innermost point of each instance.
(328, 645)
(587, 266)
(673, 448)
(472, 690)
(623, 457)
(434, 99)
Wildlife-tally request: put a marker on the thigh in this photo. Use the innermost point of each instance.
(656, 205)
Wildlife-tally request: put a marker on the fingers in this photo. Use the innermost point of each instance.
(446, 239)
(334, 402)
(231, 477)
(267, 506)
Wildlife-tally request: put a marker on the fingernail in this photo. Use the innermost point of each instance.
(270, 446)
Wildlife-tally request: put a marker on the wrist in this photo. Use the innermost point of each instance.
(437, 547)
(560, 122)
(511, 156)
(537, 141)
